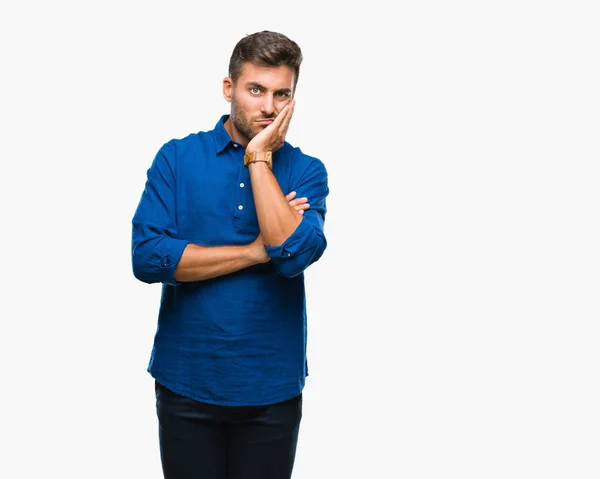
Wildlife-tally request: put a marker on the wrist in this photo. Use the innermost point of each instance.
(255, 252)
(259, 157)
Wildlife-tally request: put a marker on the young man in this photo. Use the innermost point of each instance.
(228, 221)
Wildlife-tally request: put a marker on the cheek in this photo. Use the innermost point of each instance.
(246, 99)
(280, 104)
(249, 106)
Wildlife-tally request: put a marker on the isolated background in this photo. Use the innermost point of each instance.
(453, 321)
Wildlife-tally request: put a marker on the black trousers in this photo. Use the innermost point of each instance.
(206, 441)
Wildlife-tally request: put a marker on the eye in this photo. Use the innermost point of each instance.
(254, 90)
(283, 94)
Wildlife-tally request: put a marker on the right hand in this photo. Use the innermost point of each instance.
(299, 204)
(258, 250)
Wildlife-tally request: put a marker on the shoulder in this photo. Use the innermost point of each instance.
(192, 139)
(301, 161)
(179, 147)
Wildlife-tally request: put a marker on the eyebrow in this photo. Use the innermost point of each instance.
(262, 87)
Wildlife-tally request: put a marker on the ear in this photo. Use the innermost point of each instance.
(227, 89)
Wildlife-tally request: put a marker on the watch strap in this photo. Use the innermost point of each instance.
(258, 156)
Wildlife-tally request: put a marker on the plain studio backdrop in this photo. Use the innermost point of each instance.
(453, 320)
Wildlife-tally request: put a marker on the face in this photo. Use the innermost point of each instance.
(257, 97)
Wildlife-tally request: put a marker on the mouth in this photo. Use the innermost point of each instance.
(265, 121)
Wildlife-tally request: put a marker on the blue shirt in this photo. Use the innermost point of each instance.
(238, 339)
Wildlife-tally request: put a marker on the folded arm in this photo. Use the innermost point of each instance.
(305, 244)
(158, 255)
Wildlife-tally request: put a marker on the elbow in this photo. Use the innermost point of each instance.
(294, 266)
(142, 266)
(154, 262)
(289, 271)
(143, 274)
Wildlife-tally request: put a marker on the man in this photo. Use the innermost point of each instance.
(228, 222)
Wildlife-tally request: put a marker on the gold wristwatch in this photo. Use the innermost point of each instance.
(266, 156)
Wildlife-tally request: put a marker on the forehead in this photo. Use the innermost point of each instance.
(269, 76)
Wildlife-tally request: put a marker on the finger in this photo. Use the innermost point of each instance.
(290, 106)
(282, 120)
(288, 115)
(298, 201)
(290, 196)
(302, 207)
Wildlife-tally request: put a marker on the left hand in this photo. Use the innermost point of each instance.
(273, 136)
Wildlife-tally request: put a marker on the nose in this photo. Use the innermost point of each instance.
(268, 105)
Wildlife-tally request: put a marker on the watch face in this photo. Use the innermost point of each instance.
(266, 157)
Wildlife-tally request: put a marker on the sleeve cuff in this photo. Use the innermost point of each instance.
(171, 255)
(292, 246)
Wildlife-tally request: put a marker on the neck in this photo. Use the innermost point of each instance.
(234, 134)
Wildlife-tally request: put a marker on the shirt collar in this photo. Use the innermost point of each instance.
(222, 138)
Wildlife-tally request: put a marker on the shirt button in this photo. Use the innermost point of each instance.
(242, 185)
(289, 254)
(235, 145)
(240, 207)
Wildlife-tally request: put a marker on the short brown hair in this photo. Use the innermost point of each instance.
(265, 49)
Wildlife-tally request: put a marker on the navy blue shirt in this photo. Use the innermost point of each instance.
(238, 339)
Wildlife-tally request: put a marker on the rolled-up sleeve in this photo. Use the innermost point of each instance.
(155, 248)
(307, 243)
